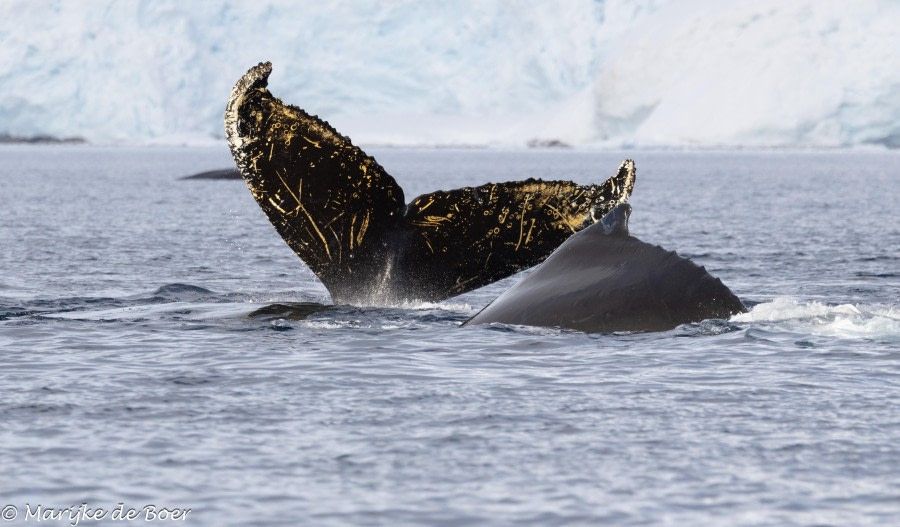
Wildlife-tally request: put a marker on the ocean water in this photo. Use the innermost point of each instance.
(162, 349)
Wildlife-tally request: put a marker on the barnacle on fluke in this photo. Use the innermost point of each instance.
(347, 218)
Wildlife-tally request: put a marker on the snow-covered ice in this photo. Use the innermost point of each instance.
(703, 73)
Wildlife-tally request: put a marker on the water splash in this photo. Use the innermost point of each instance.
(381, 294)
(855, 321)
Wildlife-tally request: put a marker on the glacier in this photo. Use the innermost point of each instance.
(591, 73)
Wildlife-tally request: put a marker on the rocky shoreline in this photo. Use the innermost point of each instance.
(41, 139)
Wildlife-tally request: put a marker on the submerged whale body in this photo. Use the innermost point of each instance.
(603, 279)
(347, 218)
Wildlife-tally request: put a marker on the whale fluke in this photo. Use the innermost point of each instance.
(603, 279)
(347, 218)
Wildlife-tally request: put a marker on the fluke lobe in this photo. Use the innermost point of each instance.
(347, 218)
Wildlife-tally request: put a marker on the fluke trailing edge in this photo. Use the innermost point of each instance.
(347, 218)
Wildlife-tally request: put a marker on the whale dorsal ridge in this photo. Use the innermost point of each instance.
(615, 222)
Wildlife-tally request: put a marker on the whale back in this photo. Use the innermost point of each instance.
(603, 279)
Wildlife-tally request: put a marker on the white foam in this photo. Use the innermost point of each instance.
(442, 306)
(842, 320)
(325, 324)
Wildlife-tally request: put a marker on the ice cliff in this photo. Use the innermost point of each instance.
(609, 73)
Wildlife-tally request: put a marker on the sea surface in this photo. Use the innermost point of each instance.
(161, 349)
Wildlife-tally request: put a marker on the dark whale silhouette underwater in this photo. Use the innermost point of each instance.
(347, 219)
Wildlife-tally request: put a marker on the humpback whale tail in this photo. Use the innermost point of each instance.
(347, 218)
